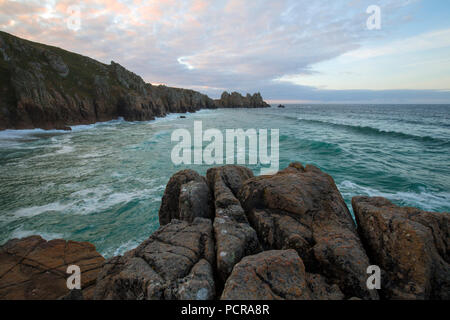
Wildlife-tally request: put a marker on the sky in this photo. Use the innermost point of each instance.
(292, 51)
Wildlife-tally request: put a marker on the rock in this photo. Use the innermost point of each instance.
(236, 100)
(33, 268)
(411, 247)
(174, 263)
(281, 106)
(301, 208)
(321, 290)
(199, 284)
(186, 197)
(235, 238)
(276, 274)
(195, 201)
(57, 63)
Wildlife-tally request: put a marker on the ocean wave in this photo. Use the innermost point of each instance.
(21, 233)
(83, 127)
(430, 201)
(87, 201)
(311, 145)
(29, 212)
(377, 131)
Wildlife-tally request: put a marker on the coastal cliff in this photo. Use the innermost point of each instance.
(50, 88)
(231, 235)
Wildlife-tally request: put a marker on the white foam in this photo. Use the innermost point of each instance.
(65, 149)
(124, 247)
(21, 233)
(83, 127)
(424, 199)
(37, 210)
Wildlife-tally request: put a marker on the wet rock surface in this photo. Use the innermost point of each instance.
(35, 269)
(411, 247)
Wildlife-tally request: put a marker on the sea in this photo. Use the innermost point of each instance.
(103, 182)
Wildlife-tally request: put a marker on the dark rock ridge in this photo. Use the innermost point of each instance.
(235, 236)
(47, 87)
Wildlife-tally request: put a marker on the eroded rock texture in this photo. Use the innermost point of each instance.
(234, 236)
(279, 275)
(186, 197)
(411, 246)
(176, 262)
(301, 208)
(276, 274)
(35, 269)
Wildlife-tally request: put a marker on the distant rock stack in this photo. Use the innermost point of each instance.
(236, 100)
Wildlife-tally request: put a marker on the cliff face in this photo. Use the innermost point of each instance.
(47, 87)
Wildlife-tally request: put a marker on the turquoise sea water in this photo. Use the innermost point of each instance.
(103, 183)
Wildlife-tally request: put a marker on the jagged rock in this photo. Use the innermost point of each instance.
(411, 247)
(186, 197)
(195, 201)
(199, 284)
(236, 100)
(235, 238)
(301, 208)
(275, 274)
(174, 263)
(33, 268)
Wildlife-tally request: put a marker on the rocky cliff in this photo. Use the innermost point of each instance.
(231, 235)
(47, 87)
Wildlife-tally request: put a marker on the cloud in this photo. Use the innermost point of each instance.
(425, 41)
(208, 45)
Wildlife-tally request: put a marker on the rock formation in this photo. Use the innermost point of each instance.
(412, 247)
(235, 236)
(236, 100)
(301, 208)
(176, 262)
(46, 87)
(35, 269)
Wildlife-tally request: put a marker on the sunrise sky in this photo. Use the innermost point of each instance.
(290, 51)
